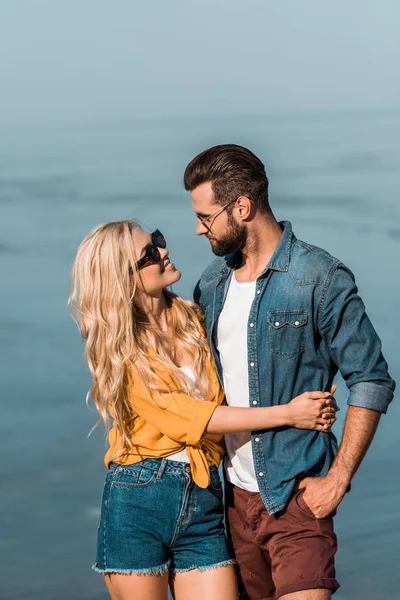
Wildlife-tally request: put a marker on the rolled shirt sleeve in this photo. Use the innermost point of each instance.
(353, 343)
(370, 395)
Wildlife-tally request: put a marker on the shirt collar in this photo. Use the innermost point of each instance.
(281, 257)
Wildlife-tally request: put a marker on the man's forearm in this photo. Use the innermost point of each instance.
(359, 430)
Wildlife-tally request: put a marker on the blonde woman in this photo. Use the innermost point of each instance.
(153, 378)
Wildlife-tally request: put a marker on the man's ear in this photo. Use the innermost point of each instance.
(244, 206)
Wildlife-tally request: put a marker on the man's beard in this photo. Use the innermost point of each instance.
(234, 239)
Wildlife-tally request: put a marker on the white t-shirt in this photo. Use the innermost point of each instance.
(182, 456)
(232, 347)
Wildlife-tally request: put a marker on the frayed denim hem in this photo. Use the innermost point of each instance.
(160, 570)
(224, 563)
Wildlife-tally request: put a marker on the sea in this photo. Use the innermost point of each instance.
(335, 176)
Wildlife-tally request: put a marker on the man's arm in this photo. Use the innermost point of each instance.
(359, 430)
(324, 494)
(355, 348)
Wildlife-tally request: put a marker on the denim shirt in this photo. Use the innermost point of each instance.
(306, 322)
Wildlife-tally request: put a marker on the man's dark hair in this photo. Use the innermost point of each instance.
(233, 171)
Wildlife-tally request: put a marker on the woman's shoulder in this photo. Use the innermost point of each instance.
(190, 306)
(197, 310)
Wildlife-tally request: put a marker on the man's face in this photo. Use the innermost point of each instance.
(223, 231)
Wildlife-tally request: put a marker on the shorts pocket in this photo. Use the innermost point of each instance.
(302, 504)
(133, 476)
(287, 333)
(215, 480)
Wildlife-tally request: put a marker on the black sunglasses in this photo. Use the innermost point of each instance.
(152, 254)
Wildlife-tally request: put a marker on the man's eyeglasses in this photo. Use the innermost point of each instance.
(208, 221)
(152, 253)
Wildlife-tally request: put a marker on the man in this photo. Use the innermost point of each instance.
(282, 318)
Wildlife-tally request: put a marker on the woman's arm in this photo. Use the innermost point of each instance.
(185, 419)
(311, 410)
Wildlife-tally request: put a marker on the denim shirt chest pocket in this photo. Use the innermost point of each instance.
(287, 332)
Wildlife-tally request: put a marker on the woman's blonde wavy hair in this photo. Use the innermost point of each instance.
(119, 338)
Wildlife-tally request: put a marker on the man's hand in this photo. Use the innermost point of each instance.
(322, 495)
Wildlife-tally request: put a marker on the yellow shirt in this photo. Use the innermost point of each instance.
(170, 422)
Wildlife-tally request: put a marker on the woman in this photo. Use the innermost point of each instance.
(153, 376)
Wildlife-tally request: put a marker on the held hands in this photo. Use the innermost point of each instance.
(313, 410)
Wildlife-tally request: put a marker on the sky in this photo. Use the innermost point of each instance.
(103, 59)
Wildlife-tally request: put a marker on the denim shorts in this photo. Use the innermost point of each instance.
(154, 518)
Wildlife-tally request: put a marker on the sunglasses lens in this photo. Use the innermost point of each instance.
(153, 254)
(159, 239)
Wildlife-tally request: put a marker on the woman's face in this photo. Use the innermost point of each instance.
(153, 277)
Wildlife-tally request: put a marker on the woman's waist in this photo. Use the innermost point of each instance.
(158, 447)
(158, 465)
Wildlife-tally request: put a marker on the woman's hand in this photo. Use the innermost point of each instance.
(313, 410)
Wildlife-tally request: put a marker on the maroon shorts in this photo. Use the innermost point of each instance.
(282, 553)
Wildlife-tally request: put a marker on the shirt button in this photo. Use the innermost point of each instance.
(261, 474)
(255, 402)
(258, 291)
(214, 381)
(277, 323)
(252, 364)
(251, 324)
(296, 323)
(257, 439)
